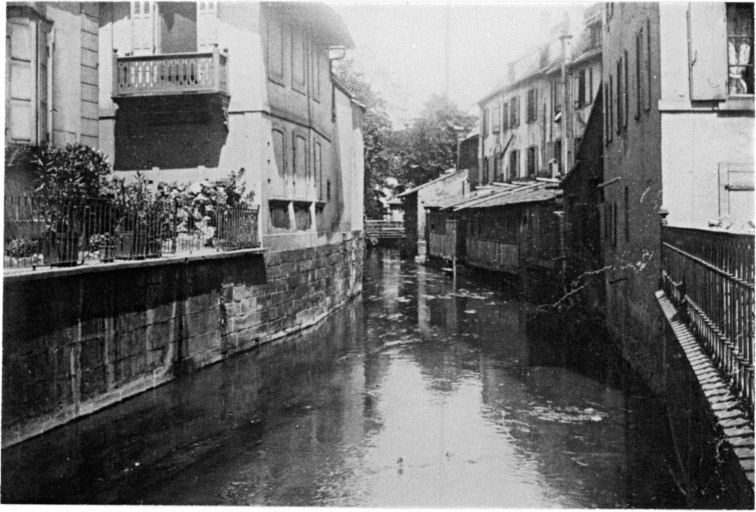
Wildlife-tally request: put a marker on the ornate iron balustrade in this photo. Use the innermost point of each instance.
(709, 275)
(170, 74)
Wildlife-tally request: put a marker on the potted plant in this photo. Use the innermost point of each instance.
(104, 245)
(67, 179)
(140, 221)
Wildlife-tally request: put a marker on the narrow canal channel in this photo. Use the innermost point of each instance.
(423, 393)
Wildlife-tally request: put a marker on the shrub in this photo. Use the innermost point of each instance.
(75, 172)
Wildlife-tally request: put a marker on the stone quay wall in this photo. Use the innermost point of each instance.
(79, 339)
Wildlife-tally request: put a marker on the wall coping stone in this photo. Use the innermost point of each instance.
(723, 406)
(31, 275)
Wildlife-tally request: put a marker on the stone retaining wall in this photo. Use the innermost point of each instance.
(77, 340)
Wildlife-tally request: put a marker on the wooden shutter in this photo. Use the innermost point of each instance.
(707, 58)
(22, 86)
(207, 22)
(736, 190)
(318, 164)
(277, 180)
(300, 165)
(42, 86)
(142, 27)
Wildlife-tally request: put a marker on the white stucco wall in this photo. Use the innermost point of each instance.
(694, 145)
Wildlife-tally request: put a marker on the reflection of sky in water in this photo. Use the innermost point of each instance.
(418, 395)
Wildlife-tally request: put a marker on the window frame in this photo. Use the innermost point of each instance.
(750, 36)
(40, 47)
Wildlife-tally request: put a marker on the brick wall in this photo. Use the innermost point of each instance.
(77, 340)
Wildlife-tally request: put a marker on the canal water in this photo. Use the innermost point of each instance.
(425, 392)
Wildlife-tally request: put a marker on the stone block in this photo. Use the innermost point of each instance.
(202, 322)
(201, 302)
(203, 343)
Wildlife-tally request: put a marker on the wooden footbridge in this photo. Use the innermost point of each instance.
(380, 232)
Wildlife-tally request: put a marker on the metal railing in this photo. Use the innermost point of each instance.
(177, 73)
(55, 231)
(710, 277)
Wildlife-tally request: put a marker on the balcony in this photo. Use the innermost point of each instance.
(139, 79)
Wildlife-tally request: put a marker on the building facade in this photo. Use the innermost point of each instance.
(194, 90)
(51, 79)
(533, 121)
(678, 136)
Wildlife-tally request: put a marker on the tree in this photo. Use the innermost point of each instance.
(429, 145)
(376, 129)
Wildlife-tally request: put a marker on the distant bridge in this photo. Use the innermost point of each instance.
(384, 230)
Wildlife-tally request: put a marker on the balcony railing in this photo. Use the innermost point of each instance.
(53, 231)
(170, 74)
(710, 277)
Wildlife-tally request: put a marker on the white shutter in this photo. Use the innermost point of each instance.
(143, 27)
(736, 191)
(707, 36)
(22, 86)
(207, 25)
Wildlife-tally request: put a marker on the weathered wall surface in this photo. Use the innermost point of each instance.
(78, 340)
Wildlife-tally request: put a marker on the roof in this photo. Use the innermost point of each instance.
(481, 194)
(330, 28)
(440, 178)
(537, 193)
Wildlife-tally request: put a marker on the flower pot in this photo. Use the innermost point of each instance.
(106, 253)
(60, 249)
(130, 245)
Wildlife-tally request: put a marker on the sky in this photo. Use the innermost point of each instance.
(400, 47)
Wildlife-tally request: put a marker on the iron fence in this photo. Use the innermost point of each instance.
(56, 231)
(710, 277)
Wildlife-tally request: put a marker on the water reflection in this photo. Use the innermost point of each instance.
(421, 394)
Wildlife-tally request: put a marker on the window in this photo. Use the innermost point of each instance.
(317, 59)
(581, 95)
(278, 180)
(740, 48)
(532, 105)
(532, 161)
(647, 97)
(485, 122)
(317, 156)
(496, 117)
(302, 218)
(514, 157)
(618, 99)
(608, 95)
(505, 116)
(556, 98)
(638, 80)
(497, 168)
(279, 215)
(275, 51)
(625, 94)
(627, 215)
(300, 161)
(514, 111)
(298, 71)
(28, 82)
